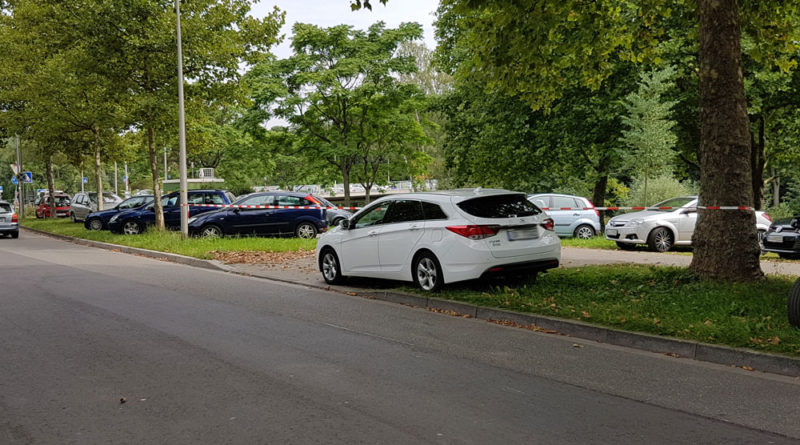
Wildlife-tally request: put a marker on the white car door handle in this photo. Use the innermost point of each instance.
(372, 232)
(414, 227)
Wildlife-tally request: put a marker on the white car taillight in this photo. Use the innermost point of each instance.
(14, 218)
(475, 232)
(548, 224)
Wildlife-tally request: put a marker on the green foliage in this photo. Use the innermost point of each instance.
(658, 189)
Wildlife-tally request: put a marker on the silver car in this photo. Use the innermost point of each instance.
(573, 215)
(9, 224)
(85, 203)
(662, 229)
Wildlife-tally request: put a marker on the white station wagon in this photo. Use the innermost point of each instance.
(441, 237)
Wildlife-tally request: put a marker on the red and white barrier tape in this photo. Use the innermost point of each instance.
(746, 208)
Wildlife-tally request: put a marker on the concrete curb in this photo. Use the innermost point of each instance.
(723, 355)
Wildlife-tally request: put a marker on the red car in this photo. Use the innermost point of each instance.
(62, 206)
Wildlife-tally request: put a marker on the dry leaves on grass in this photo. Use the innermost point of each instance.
(261, 257)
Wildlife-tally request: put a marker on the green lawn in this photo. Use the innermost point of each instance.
(658, 300)
(171, 241)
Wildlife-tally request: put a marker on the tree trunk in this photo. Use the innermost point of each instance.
(151, 147)
(98, 168)
(725, 241)
(599, 197)
(345, 168)
(51, 186)
(776, 189)
(757, 161)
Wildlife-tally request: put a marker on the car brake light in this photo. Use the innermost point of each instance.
(548, 224)
(313, 199)
(14, 218)
(475, 232)
(766, 215)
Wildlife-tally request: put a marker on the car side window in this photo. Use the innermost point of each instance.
(372, 216)
(432, 211)
(284, 200)
(264, 200)
(213, 198)
(403, 211)
(560, 202)
(169, 201)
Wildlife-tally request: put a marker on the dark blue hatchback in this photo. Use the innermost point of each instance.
(302, 223)
(99, 220)
(131, 222)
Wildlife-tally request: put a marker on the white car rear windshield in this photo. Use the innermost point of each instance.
(5, 208)
(499, 206)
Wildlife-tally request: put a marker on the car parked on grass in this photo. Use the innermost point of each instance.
(246, 220)
(441, 237)
(136, 221)
(84, 203)
(99, 220)
(783, 238)
(662, 229)
(573, 215)
(63, 202)
(9, 223)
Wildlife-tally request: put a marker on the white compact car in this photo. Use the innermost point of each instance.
(661, 229)
(442, 237)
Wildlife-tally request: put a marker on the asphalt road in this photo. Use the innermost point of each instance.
(208, 357)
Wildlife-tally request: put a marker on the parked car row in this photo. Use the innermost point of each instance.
(136, 214)
(662, 229)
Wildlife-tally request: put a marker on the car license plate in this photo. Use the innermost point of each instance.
(775, 238)
(521, 234)
(612, 232)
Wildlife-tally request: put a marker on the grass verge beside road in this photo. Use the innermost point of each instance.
(657, 300)
(171, 242)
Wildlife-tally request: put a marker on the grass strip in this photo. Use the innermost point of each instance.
(171, 242)
(657, 300)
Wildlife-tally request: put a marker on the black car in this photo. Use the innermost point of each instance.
(251, 216)
(135, 221)
(783, 238)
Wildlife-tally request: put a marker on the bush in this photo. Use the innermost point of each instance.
(658, 189)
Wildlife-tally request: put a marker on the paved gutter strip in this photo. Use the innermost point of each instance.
(723, 355)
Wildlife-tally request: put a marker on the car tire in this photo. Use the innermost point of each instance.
(336, 222)
(427, 272)
(330, 267)
(72, 217)
(14, 235)
(305, 230)
(131, 227)
(211, 231)
(660, 239)
(584, 231)
(761, 235)
(793, 304)
(789, 256)
(626, 246)
(39, 215)
(94, 224)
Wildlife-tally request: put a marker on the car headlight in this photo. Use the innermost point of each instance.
(114, 218)
(637, 221)
(192, 219)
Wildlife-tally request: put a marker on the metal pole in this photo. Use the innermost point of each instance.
(116, 190)
(166, 173)
(20, 181)
(127, 179)
(82, 181)
(182, 132)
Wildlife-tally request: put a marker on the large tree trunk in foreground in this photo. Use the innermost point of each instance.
(725, 241)
(151, 147)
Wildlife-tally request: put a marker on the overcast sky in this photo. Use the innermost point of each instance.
(327, 13)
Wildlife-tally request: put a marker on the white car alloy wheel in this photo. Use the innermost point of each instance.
(661, 240)
(212, 231)
(427, 273)
(131, 228)
(306, 231)
(330, 267)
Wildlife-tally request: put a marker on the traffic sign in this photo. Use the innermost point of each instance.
(1, 188)
(14, 180)
(85, 180)
(28, 178)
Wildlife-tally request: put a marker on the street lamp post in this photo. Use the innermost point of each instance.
(182, 133)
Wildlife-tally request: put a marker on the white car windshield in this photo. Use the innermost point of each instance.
(674, 203)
